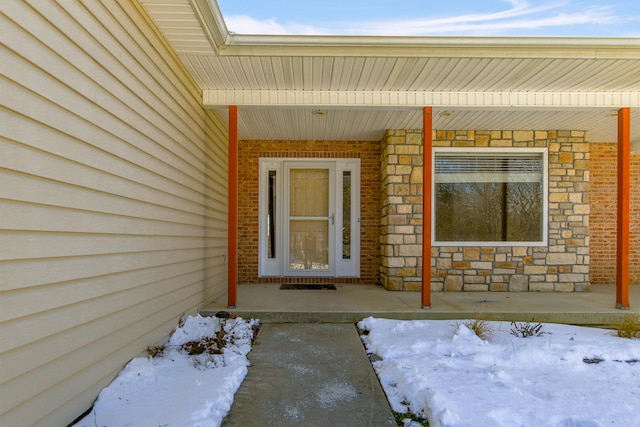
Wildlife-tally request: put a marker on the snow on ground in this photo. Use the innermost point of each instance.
(177, 389)
(438, 369)
(442, 370)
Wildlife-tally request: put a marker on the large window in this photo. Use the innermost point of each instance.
(488, 196)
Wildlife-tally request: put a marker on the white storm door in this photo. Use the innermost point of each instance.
(309, 219)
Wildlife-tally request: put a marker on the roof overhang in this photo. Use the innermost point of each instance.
(572, 83)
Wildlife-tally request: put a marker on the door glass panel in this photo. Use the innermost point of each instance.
(309, 219)
(309, 192)
(346, 215)
(309, 245)
(271, 215)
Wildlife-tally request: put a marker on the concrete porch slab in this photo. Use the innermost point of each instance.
(351, 303)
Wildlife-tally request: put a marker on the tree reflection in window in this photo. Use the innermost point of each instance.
(489, 198)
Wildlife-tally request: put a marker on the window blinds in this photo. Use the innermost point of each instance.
(462, 168)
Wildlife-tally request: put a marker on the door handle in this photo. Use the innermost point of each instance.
(333, 218)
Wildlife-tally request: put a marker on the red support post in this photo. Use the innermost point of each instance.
(232, 240)
(427, 143)
(624, 208)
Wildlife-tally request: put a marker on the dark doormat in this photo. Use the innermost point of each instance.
(308, 286)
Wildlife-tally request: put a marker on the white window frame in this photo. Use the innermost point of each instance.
(275, 267)
(495, 151)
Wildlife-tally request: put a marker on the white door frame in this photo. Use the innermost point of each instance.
(343, 263)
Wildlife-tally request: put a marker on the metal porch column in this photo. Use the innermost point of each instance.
(624, 196)
(427, 143)
(232, 240)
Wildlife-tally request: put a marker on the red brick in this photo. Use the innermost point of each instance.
(603, 201)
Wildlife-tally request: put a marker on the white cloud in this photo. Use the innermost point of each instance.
(244, 24)
(519, 16)
(491, 23)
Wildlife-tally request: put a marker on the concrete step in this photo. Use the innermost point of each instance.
(352, 303)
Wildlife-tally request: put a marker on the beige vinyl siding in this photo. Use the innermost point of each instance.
(113, 206)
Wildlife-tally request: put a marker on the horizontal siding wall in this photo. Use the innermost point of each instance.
(113, 205)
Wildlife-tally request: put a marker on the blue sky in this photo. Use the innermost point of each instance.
(554, 18)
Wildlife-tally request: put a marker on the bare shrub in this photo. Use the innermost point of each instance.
(526, 329)
(210, 345)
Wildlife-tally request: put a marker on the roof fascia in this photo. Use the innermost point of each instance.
(468, 47)
(212, 23)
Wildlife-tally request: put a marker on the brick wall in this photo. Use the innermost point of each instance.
(562, 265)
(603, 200)
(249, 153)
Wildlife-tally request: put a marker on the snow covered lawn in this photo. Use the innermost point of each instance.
(175, 388)
(567, 377)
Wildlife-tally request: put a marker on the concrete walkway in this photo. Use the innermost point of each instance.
(306, 374)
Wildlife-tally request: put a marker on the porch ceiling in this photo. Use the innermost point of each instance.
(367, 85)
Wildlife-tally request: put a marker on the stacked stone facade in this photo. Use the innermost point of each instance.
(401, 221)
(561, 265)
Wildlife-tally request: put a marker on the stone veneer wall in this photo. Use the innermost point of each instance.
(562, 265)
(401, 220)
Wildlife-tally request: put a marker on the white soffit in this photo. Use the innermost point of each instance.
(414, 74)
